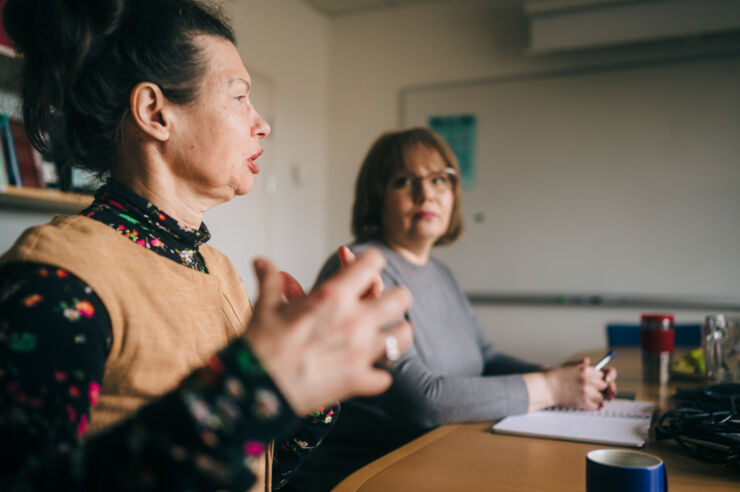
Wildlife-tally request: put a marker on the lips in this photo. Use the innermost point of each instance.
(424, 215)
(253, 166)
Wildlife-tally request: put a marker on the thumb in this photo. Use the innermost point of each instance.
(270, 285)
(346, 256)
(291, 288)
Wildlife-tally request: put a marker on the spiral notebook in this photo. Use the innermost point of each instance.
(618, 423)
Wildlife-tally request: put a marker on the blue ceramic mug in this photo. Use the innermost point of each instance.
(619, 470)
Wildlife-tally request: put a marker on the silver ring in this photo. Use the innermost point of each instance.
(391, 348)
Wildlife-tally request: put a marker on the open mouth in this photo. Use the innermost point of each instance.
(253, 166)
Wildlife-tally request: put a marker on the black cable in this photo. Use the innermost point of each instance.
(705, 423)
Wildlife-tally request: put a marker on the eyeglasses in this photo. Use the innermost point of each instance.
(409, 182)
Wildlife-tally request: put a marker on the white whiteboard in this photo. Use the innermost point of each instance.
(619, 181)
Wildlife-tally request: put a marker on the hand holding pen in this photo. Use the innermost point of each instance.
(576, 384)
(610, 375)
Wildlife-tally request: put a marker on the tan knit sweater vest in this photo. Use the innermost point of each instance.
(167, 319)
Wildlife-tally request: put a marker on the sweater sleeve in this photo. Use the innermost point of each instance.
(294, 451)
(54, 337)
(430, 399)
(426, 399)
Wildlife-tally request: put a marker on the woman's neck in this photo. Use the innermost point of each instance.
(416, 253)
(169, 199)
(163, 189)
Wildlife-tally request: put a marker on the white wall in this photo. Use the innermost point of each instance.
(377, 54)
(286, 45)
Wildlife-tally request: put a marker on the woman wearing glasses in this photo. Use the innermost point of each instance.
(407, 200)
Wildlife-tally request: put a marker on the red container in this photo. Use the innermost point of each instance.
(657, 339)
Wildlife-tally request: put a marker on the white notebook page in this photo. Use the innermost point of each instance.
(619, 423)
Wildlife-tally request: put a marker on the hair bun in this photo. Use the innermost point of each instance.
(68, 25)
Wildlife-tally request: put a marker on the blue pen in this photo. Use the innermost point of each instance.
(604, 361)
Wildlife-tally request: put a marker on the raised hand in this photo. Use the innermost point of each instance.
(324, 346)
(347, 257)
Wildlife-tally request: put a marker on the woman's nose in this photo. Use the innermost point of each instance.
(261, 128)
(422, 190)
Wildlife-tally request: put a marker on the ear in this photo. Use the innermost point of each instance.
(150, 110)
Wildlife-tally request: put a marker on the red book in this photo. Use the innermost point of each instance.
(6, 44)
(30, 175)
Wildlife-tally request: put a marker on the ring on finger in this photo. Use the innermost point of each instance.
(392, 353)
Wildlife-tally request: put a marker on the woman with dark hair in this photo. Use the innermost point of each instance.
(130, 358)
(407, 200)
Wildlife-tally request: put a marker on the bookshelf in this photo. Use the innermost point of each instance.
(43, 199)
(29, 198)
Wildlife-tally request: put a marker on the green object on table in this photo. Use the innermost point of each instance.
(691, 363)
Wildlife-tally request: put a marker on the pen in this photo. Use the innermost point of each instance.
(604, 361)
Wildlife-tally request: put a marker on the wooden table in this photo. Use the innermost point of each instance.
(469, 457)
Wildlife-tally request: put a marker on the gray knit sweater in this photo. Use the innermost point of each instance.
(451, 374)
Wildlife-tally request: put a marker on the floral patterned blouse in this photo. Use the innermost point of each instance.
(55, 335)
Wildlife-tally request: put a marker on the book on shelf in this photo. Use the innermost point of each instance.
(3, 169)
(6, 44)
(21, 165)
(28, 164)
(11, 159)
(48, 170)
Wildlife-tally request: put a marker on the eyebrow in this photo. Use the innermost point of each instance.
(244, 81)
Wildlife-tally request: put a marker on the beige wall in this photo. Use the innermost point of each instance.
(287, 44)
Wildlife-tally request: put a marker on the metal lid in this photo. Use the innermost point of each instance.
(657, 317)
(717, 320)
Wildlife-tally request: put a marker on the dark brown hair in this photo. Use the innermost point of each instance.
(82, 58)
(386, 157)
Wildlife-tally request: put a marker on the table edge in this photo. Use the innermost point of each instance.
(357, 479)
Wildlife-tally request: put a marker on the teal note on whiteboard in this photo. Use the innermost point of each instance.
(459, 133)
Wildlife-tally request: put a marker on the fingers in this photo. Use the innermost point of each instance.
(610, 377)
(346, 256)
(374, 381)
(595, 379)
(270, 284)
(357, 277)
(610, 374)
(595, 400)
(291, 288)
(389, 307)
(611, 391)
(376, 289)
(403, 334)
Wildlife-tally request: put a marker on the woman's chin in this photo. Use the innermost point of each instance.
(429, 231)
(426, 236)
(244, 186)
